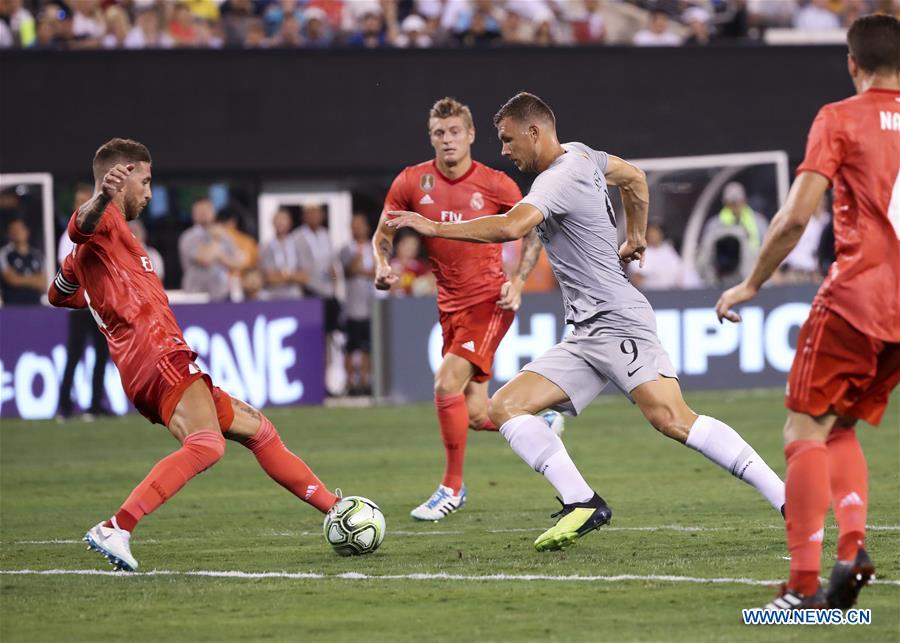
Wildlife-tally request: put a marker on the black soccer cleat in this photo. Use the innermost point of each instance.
(847, 580)
(788, 599)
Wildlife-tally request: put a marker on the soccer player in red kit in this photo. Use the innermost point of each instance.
(848, 351)
(476, 301)
(109, 272)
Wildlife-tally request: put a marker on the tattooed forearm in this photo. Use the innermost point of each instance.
(531, 251)
(89, 214)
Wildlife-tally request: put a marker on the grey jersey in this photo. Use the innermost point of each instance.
(579, 234)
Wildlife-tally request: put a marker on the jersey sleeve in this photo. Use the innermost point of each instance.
(508, 193)
(825, 146)
(548, 193)
(78, 236)
(65, 291)
(398, 196)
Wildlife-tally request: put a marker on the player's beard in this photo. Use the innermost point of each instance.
(133, 208)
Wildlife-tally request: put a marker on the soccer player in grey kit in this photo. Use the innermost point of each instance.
(614, 337)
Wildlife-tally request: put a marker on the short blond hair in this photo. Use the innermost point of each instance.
(447, 107)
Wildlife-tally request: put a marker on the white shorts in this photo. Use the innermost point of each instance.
(619, 346)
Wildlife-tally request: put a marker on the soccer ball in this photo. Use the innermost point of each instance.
(354, 526)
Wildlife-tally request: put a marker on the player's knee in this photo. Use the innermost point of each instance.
(504, 406)
(446, 385)
(209, 446)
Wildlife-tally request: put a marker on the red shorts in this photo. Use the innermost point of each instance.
(165, 383)
(474, 333)
(841, 370)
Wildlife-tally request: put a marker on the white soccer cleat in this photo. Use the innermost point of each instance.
(555, 421)
(441, 503)
(113, 544)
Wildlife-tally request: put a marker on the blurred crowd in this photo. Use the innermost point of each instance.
(145, 24)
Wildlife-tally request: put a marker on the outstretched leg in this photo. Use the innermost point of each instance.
(254, 430)
(195, 425)
(664, 407)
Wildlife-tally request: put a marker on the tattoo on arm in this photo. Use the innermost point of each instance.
(89, 214)
(246, 408)
(531, 251)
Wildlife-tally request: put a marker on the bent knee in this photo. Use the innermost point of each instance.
(505, 406)
(208, 445)
(670, 423)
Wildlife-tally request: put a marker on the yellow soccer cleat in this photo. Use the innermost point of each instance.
(577, 519)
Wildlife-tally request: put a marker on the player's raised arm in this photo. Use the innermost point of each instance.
(632, 184)
(112, 183)
(499, 228)
(784, 232)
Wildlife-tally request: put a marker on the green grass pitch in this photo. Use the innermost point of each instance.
(58, 480)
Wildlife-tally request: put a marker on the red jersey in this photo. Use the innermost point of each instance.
(109, 272)
(466, 273)
(855, 144)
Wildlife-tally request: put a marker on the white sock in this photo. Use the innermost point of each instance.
(541, 448)
(722, 444)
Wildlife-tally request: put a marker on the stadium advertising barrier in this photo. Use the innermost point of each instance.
(267, 353)
(707, 355)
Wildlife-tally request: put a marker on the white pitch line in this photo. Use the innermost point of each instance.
(443, 532)
(418, 576)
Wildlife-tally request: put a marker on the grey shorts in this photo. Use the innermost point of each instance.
(620, 346)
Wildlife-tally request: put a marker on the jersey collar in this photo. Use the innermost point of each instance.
(457, 180)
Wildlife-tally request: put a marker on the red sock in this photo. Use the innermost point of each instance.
(806, 503)
(198, 452)
(849, 490)
(453, 416)
(287, 469)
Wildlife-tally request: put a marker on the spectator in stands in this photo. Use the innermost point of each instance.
(277, 11)
(370, 33)
(316, 30)
(230, 219)
(544, 29)
(54, 28)
(516, 29)
(697, 20)
(147, 32)
(663, 267)
(237, 19)
(117, 27)
(208, 34)
(288, 34)
(815, 16)
(88, 24)
(20, 23)
(478, 26)
(657, 33)
(280, 263)
(318, 260)
(252, 285)
(22, 273)
(156, 260)
(413, 33)
(802, 264)
(358, 261)
(182, 27)
(207, 254)
(588, 25)
(731, 240)
(414, 275)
